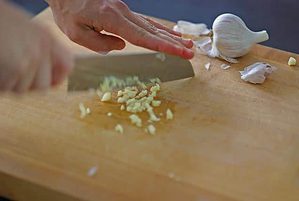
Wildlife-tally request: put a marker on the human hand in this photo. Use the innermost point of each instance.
(84, 21)
(30, 58)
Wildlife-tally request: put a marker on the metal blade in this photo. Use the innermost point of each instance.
(89, 72)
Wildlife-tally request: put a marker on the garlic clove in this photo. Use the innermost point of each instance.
(292, 61)
(257, 73)
(232, 38)
(106, 97)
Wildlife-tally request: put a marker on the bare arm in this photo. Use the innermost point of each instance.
(30, 58)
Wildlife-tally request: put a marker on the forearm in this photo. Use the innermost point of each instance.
(10, 12)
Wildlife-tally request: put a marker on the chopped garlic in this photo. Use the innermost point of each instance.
(292, 61)
(151, 129)
(106, 97)
(155, 80)
(99, 93)
(156, 103)
(153, 94)
(142, 94)
(225, 66)
(122, 107)
(109, 114)
(152, 115)
(155, 88)
(136, 120)
(131, 101)
(149, 99)
(92, 171)
(82, 110)
(120, 93)
(169, 114)
(132, 94)
(88, 111)
(119, 128)
(208, 66)
(122, 99)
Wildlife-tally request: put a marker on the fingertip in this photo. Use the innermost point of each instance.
(62, 67)
(190, 44)
(187, 43)
(121, 44)
(188, 54)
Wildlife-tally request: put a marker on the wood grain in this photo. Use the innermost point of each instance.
(230, 140)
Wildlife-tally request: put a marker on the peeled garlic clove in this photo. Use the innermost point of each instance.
(119, 128)
(232, 38)
(106, 97)
(292, 61)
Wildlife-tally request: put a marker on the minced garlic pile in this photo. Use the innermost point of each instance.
(134, 97)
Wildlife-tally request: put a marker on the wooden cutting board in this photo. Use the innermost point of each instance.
(230, 140)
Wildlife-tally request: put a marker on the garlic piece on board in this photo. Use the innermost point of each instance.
(119, 128)
(292, 61)
(106, 97)
(169, 114)
(156, 103)
(208, 66)
(257, 73)
(151, 129)
(83, 111)
(136, 120)
(225, 66)
(88, 111)
(232, 38)
(92, 171)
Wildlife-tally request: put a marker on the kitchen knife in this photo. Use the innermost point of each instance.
(90, 71)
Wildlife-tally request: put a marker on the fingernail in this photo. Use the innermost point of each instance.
(189, 53)
(188, 43)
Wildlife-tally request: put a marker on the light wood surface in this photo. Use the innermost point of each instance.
(230, 140)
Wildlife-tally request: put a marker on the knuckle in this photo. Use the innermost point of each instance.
(106, 9)
(121, 5)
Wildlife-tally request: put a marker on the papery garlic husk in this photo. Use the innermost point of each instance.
(232, 38)
(191, 30)
(257, 72)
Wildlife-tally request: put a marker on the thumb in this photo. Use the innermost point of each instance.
(99, 42)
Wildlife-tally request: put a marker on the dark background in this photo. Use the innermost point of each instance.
(279, 17)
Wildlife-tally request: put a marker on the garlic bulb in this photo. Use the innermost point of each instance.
(232, 38)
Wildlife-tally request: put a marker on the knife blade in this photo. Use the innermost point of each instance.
(90, 71)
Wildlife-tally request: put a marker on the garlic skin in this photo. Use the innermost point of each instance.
(232, 38)
(257, 73)
(189, 28)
